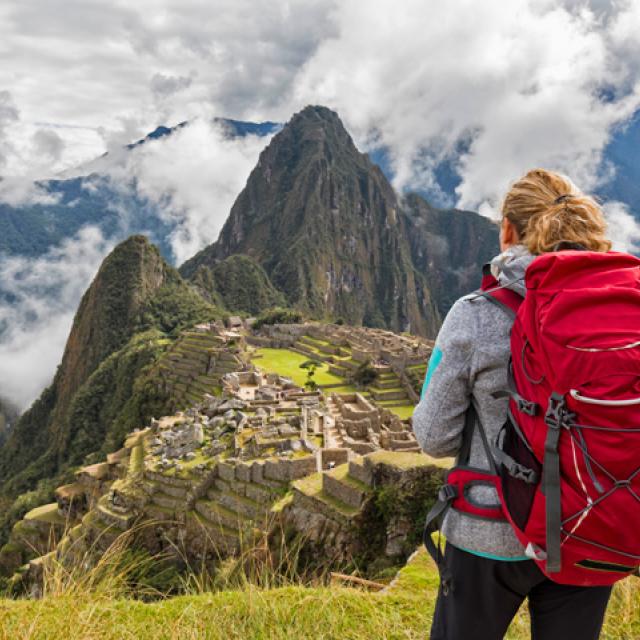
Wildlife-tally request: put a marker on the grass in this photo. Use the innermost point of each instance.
(344, 389)
(408, 459)
(404, 412)
(46, 513)
(256, 596)
(289, 612)
(287, 363)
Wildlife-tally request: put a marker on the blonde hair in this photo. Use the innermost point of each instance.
(546, 209)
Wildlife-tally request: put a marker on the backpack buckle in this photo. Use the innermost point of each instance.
(526, 406)
(556, 415)
(447, 492)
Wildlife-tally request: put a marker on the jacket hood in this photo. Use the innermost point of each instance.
(509, 267)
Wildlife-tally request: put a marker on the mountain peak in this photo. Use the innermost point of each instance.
(135, 290)
(317, 113)
(319, 125)
(324, 223)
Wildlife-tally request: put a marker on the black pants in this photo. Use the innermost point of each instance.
(486, 594)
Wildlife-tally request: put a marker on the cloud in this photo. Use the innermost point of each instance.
(193, 177)
(526, 83)
(237, 57)
(9, 114)
(36, 312)
(163, 86)
(523, 82)
(624, 229)
(23, 191)
(49, 144)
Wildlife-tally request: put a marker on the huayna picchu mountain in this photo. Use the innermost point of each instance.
(337, 241)
(134, 302)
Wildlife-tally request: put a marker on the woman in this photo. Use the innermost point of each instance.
(491, 576)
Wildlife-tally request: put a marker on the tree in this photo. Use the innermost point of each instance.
(310, 366)
(365, 374)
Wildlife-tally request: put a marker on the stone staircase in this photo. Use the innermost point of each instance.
(333, 438)
(388, 390)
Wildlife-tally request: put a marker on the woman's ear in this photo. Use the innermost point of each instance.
(508, 234)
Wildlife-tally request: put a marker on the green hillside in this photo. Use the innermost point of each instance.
(134, 292)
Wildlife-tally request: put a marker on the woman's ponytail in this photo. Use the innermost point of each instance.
(547, 209)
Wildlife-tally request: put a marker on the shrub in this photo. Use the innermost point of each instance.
(278, 315)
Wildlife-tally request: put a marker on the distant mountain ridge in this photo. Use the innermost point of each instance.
(86, 196)
(31, 229)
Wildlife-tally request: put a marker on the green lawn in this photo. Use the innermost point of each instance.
(287, 363)
(404, 412)
(344, 389)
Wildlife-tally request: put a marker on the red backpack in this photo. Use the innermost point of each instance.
(567, 461)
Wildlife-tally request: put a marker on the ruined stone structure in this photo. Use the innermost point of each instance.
(363, 427)
(399, 360)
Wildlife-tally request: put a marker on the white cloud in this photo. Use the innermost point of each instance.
(163, 86)
(9, 114)
(522, 80)
(624, 229)
(18, 192)
(237, 57)
(45, 293)
(48, 142)
(193, 176)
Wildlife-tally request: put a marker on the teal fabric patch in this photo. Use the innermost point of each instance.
(490, 556)
(434, 361)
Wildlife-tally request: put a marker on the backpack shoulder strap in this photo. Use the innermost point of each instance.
(507, 299)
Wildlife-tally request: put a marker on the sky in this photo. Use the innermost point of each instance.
(518, 84)
(528, 81)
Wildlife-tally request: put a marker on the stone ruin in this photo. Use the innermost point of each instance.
(179, 440)
(365, 343)
(363, 427)
(263, 437)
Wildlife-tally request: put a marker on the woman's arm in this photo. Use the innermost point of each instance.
(438, 420)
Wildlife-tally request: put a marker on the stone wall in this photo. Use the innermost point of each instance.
(333, 457)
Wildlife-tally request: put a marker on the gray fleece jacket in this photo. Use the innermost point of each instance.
(468, 364)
